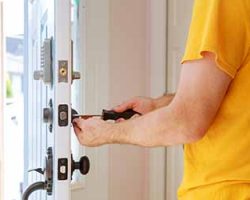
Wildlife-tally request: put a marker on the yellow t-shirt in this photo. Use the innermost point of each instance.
(218, 166)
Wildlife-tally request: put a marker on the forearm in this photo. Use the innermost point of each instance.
(163, 127)
(164, 100)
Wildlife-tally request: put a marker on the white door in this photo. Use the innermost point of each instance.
(179, 16)
(48, 100)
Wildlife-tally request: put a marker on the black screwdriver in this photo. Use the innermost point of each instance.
(108, 115)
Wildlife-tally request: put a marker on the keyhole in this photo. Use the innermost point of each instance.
(63, 72)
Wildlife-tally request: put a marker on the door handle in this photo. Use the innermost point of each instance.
(38, 170)
(83, 165)
(47, 172)
(32, 188)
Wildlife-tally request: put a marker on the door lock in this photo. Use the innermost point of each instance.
(45, 73)
(76, 76)
(63, 115)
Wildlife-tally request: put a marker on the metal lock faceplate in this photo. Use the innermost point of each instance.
(49, 171)
(63, 119)
(62, 169)
(63, 71)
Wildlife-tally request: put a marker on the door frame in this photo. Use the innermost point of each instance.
(1, 103)
(157, 83)
(179, 17)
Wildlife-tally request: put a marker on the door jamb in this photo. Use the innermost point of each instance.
(157, 84)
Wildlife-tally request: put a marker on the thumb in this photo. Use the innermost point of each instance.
(124, 106)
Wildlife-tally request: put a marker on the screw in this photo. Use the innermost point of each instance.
(50, 103)
(50, 128)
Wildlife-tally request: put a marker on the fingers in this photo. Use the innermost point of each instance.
(125, 106)
(135, 116)
(77, 130)
(120, 120)
(76, 127)
(77, 122)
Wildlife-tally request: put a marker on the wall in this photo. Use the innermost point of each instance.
(157, 55)
(128, 73)
(138, 64)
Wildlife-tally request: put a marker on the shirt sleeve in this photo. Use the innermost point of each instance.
(219, 27)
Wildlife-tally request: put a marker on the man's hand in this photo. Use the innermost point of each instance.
(93, 131)
(141, 105)
(145, 105)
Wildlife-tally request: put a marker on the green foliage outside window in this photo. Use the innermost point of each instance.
(9, 90)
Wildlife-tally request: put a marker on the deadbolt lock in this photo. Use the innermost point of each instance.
(76, 76)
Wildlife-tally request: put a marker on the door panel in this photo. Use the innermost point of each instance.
(53, 19)
(49, 50)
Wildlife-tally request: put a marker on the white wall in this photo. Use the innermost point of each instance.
(137, 67)
(128, 75)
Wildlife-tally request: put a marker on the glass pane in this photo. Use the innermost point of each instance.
(14, 103)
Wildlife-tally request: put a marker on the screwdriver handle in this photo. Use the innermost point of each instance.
(112, 115)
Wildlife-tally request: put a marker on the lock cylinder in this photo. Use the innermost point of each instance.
(63, 71)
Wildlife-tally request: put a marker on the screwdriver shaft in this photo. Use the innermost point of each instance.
(85, 116)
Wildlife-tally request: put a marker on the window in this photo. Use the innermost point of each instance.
(13, 101)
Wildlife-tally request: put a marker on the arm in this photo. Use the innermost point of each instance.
(164, 100)
(201, 90)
